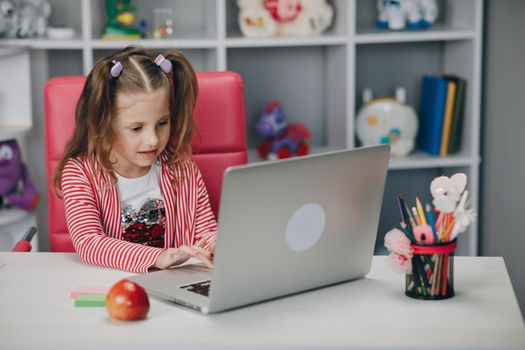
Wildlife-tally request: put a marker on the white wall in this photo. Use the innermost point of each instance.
(503, 139)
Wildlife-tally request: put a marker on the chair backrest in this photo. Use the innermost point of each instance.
(219, 140)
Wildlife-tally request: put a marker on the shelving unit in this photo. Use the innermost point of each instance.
(16, 122)
(318, 80)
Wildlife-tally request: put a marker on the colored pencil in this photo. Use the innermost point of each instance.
(430, 219)
(416, 216)
(408, 232)
(449, 230)
(404, 217)
(439, 220)
(407, 212)
(444, 275)
(420, 211)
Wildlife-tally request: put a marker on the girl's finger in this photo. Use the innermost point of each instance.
(188, 250)
(204, 259)
(202, 251)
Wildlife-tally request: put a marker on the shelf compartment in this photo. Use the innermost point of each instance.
(64, 62)
(309, 82)
(454, 16)
(15, 91)
(339, 27)
(201, 59)
(194, 19)
(65, 13)
(405, 64)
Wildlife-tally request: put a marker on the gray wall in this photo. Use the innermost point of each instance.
(503, 140)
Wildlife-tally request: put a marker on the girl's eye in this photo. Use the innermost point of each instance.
(163, 122)
(136, 128)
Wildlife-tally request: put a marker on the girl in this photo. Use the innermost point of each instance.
(134, 199)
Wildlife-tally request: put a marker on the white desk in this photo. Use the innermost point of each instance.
(36, 312)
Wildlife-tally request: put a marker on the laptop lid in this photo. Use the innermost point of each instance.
(296, 224)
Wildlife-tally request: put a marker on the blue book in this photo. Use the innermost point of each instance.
(431, 113)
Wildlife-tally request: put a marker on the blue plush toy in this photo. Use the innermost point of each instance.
(397, 14)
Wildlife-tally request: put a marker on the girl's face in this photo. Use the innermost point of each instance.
(142, 129)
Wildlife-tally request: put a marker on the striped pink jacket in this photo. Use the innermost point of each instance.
(94, 221)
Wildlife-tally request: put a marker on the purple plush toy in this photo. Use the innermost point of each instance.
(282, 139)
(16, 188)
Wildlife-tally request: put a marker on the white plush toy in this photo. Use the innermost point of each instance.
(267, 18)
(8, 18)
(387, 120)
(33, 18)
(24, 18)
(396, 14)
(254, 20)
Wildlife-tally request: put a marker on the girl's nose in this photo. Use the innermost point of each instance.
(152, 139)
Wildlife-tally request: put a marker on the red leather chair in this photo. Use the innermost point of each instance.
(219, 141)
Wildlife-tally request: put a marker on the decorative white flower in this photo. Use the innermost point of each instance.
(396, 241)
(446, 191)
(400, 258)
(463, 216)
(399, 263)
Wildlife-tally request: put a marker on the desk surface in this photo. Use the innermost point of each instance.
(37, 312)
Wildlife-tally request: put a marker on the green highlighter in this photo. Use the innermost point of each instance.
(90, 300)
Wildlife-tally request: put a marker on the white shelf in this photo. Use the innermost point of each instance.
(324, 40)
(253, 156)
(45, 43)
(414, 161)
(7, 133)
(378, 36)
(420, 160)
(155, 43)
(9, 216)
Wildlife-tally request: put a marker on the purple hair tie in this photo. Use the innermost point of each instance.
(163, 63)
(116, 69)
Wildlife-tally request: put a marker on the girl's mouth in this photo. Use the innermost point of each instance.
(149, 153)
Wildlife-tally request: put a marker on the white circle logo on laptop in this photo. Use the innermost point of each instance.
(305, 227)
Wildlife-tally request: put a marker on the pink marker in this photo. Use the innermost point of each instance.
(423, 234)
(88, 290)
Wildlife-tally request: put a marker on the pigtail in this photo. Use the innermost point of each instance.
(183, 99)
(92, 136)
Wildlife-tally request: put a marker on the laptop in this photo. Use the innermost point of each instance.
(285, 227)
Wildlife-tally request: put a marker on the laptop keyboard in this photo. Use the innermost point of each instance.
(202, 288)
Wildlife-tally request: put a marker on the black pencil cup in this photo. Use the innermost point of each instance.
(432, 276)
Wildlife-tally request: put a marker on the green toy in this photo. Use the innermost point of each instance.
(121, 15)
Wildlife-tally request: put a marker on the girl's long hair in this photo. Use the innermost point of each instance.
(93, 136)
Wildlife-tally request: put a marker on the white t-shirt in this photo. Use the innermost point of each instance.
(143, 216)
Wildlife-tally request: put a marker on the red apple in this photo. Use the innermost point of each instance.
(127, 301)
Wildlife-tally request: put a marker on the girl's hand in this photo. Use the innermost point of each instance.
(176, 256)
